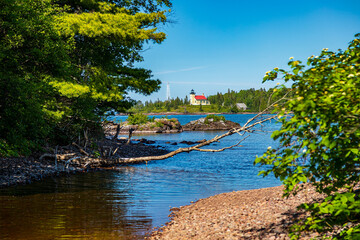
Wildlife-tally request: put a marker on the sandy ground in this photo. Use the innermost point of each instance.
(252, 214)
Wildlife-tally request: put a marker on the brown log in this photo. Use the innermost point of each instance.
(58, 156)
(100, 162)
(247, 128)
(80, 149)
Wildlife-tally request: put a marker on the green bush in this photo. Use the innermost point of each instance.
(6, 150)
(138, 119)
(319, 142)
(215, 118)
(159, 124)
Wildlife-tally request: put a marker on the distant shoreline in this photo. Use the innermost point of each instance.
(180, 113)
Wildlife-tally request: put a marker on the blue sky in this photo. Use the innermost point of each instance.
(216, 45)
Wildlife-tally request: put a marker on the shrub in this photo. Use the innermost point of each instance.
(215, 118)
(320, 140)
(6, 150)
(138, 119)
(159, 124)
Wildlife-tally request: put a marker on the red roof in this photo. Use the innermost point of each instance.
(200, 97)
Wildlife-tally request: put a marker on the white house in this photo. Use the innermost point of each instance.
(241, 106)
(198, 99)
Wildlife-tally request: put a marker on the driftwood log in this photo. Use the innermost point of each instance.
(96, 162)
(85, 159)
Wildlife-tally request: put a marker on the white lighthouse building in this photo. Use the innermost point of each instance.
(198, 99)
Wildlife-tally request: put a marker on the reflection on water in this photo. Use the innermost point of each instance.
(81, 206)
(129, 201)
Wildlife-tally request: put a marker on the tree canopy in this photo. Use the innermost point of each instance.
(67, 63)
(320, 140)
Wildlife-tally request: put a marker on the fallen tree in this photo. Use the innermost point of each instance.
(108, 158)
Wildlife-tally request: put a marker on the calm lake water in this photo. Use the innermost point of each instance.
(128, 202)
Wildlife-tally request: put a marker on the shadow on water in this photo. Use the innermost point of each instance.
(127, 202)
(87, 206)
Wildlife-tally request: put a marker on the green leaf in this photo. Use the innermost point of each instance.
(325, 122)
(302, 178)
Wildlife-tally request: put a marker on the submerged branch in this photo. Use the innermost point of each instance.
(247, 128)
(102, 162)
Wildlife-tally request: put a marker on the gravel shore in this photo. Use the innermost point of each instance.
(25, 170)
(252, 214)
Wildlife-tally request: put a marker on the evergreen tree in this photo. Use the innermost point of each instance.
(186, 100)
(108, 37)
(66, 63)
(32, 55)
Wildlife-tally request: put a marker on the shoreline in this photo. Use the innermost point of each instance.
(26, 170)
(180, 113)
(248, 214)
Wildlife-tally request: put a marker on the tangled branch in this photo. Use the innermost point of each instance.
(248, 127)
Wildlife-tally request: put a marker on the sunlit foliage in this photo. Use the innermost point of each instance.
(320, 142)
(66, 64)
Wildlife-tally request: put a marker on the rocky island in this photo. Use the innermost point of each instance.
(161, 125)
(210, 123)
(140, 123)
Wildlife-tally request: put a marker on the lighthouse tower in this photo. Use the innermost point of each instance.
(192, 97)
(198, 99)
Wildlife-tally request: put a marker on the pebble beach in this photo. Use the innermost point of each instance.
(251, 214)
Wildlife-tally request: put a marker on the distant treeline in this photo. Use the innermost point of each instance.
(255, 100)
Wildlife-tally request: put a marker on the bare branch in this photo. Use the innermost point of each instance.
(107, 162)
(115, 151)
(269, 99)
(266, 109)
(117, 132)
(58, 156)
(222, 149)
(247, 128)
(80, 149)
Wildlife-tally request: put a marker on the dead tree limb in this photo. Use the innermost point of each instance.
(117, 132)
(246, 128)
(131, 130)
(222, 149)
(86, 138)
(80, 149)
(58, 156)
(101, 162)
(115, 151)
